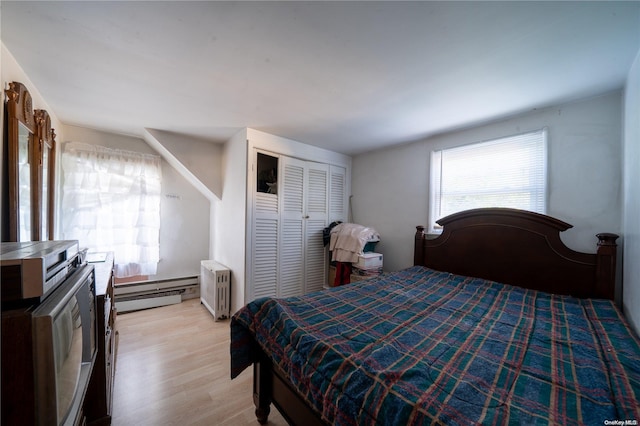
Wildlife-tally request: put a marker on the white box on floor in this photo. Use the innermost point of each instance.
(369, 260)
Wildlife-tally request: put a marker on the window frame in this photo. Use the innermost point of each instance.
(435, 172)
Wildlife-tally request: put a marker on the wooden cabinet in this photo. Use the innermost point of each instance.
(98, 402)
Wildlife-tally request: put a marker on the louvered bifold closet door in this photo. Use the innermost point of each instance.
(265, 246)
(337, 194)
(317, 211)
(291, 282)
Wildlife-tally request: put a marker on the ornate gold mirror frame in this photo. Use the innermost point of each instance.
(29, 169)
(21, 129)
(45, 176)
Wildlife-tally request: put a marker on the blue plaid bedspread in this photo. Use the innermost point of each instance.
(421, 346)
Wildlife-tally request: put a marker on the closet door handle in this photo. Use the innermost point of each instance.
(305, 216)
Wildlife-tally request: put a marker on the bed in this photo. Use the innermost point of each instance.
(497, 322)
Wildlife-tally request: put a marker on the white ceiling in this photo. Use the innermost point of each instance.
(346, 76)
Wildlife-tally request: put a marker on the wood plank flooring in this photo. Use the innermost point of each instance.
(173, 368)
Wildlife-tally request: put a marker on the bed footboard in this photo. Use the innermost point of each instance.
(270, 386)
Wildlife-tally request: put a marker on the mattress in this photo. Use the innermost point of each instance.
(420, 346)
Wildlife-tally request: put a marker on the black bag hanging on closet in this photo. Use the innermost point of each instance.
(326, 232)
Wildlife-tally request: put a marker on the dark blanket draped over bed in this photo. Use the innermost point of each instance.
(418, 346)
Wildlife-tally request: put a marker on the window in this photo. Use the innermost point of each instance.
(111, 202)
(505, 172)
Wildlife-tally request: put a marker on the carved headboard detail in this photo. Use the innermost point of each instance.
(520, 248)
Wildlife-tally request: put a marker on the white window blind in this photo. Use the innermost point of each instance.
(505, 172)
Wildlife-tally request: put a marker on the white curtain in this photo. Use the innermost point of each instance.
(111, 202)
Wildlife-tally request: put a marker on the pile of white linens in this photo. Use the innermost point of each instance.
(348, 240)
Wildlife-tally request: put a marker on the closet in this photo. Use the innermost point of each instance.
(292, 201)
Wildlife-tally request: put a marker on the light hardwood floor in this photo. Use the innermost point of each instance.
(173, 368)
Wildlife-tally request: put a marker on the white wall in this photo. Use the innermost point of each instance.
(390, 187)
(11, 71)
(196, 159)
(229, 232)
(184, 212)
(390, 195)
(631, 270)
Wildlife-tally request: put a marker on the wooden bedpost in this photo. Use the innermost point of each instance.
(606, 264)
(262, 390)
(418, 250)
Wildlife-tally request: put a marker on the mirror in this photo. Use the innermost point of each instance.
(25, 142)
(19, 165)
(29, 164)
(44, 206)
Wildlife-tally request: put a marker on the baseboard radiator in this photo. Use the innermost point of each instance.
(215, 288)
(151, 294)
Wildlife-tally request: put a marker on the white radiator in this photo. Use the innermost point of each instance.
(215, 288)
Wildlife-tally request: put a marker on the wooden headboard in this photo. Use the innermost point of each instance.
(520, 248)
